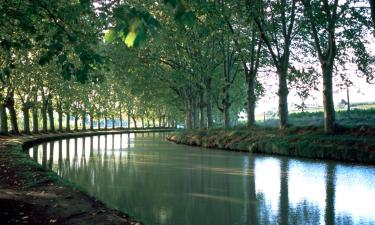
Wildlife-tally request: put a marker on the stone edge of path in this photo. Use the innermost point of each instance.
(96, 212)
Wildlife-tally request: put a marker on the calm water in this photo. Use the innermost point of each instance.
(163, 183)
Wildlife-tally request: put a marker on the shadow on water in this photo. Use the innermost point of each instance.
(163, 183)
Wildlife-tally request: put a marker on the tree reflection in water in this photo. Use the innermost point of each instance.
(163, 183)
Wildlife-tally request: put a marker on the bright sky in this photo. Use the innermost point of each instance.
(361, 91)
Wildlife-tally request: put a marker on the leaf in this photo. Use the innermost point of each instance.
(130, 38)
(110, 36)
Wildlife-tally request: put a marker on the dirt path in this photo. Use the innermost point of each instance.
(31, 195)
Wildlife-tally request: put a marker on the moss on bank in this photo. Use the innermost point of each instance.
(352, 145)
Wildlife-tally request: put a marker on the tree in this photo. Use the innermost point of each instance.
(372, 5)
(275, 21)
(324, 18)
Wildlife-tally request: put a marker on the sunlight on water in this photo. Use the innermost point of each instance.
(162, 183)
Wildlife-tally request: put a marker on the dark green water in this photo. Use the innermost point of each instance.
(159, 182)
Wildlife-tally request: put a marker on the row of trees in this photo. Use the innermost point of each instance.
(221, 56)
(36, 92)
(197, 62)
(54, 62)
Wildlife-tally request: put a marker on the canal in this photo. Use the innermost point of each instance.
(159, 182)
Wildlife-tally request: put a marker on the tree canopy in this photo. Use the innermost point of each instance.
(163, 63)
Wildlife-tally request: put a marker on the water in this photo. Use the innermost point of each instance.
(159, 182)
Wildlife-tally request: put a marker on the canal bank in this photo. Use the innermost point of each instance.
(29, 194)
(350, 145)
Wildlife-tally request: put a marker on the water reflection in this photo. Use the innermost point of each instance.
(162, 183)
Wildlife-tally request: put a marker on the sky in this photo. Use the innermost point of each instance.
(361, 91)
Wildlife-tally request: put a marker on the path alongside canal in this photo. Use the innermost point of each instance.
(31, 195)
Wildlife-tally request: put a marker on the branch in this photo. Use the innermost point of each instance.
(308, 9)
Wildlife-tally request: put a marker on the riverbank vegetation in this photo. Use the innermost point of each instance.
(355, 144)
(99, 64)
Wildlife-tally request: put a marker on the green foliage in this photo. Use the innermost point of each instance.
(131, 26)
(182, 14)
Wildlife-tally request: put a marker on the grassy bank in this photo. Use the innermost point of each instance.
(355, 144)
(29, 194)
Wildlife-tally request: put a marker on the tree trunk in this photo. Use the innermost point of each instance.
(348, 99)
(209, 120)
(13, 115)
(148, 123)
(209, 117)
(3, 120)
(326, 50)
(201, 118)
(329, 108)
(50, 116)
(75, 123)
(84, 121)
(251, 99)
(60, 115)
(43, 111)
(196, 117)
(128, 121)
(98, 122)
(135, 122)
(105, 122)
(160, 121)
(201, 110)
(163, 120)
(113, 122)
(189, 123)
(120, 117)
(26, 119)
(143, 122)
(226, 105)
(372, 5)
(91, 121)
(13, 120)
(173, 124)
(283, 96)
(67, 121)
(251, 73)
(153, 122)
(166, 121)
(35, 119)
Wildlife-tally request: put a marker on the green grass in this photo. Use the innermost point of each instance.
(356, 117)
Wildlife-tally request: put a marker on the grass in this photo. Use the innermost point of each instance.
(356, 117)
